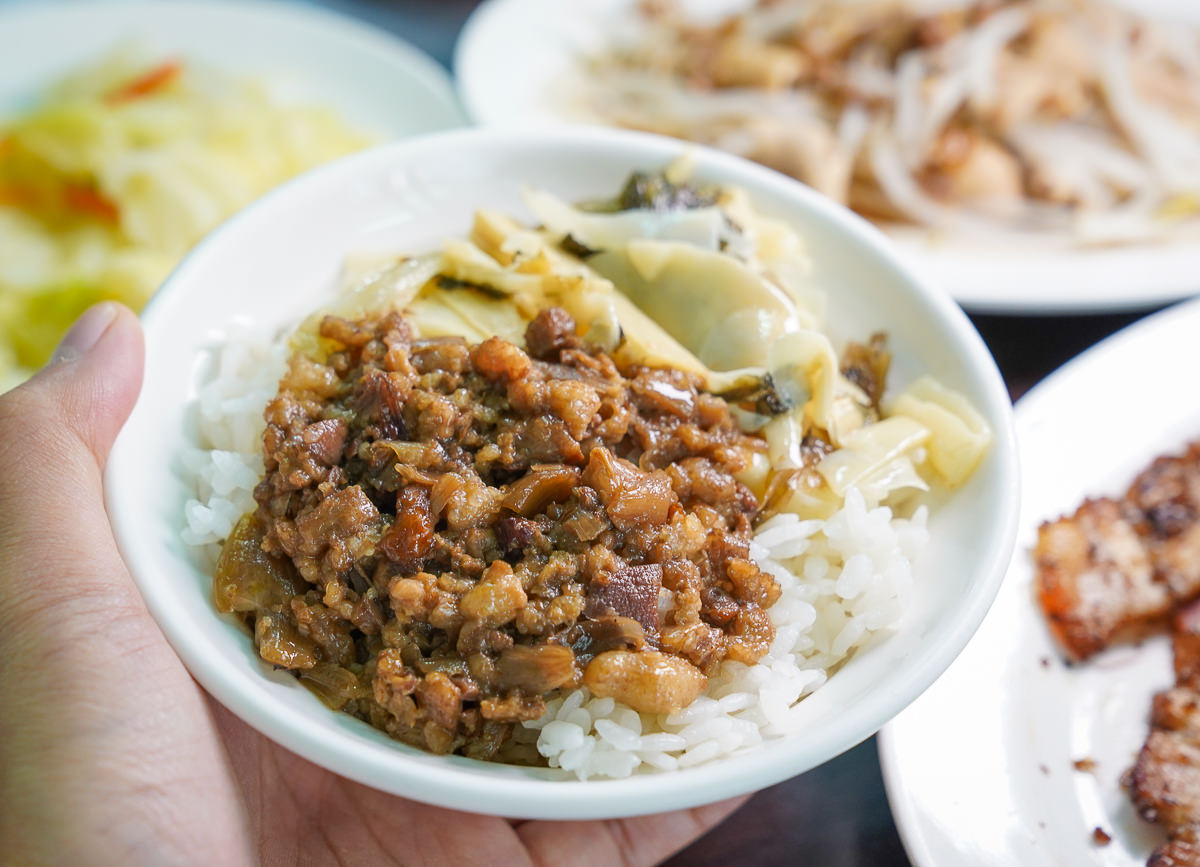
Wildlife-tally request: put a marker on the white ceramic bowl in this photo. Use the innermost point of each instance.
(278, 259)
(375, 80)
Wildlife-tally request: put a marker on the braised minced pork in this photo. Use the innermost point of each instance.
(446, 534)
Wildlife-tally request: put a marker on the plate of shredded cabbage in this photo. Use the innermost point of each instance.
(129, 130)
(1030, 156)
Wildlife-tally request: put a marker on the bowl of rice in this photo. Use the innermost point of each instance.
(847, 535)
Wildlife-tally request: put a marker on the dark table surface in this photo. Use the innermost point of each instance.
(836, 815)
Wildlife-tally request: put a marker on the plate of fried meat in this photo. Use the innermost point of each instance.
(1068, 732)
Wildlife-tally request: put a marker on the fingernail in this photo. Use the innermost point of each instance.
(86, 332)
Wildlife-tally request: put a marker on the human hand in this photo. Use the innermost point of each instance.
(111, 754)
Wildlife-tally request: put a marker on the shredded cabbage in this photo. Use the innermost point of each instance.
(119, 170)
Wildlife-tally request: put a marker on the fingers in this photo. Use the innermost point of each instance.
(637, 842)
(107, 754)
(55, 434)
(92, 382)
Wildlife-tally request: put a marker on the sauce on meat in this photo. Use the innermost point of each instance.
(446, 534)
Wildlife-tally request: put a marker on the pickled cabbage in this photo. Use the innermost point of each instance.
(119, 170)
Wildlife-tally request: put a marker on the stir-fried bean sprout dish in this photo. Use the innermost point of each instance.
(1040, 122)
(600, 494)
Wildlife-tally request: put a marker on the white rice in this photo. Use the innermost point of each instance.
(843, 580)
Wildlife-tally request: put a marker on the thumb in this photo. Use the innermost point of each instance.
(55, 434)
(90, 385)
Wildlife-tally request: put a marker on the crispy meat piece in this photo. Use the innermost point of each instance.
(1186, 644)
(1165, 780)
(1118, 566)
(1164, 783)
(1095, 579)
(1167, 497)
(628, 592)
(1183, 850)
(1178, 710)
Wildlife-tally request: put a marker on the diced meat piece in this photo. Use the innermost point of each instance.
(342, 515)
(702, 645)
(518, 534)
(411, 536)
(1178, 710)
(751, 584)
(1176, 853)
(629, 592)
(515, 707)
(499, 360)
(1095, 579)
(751, 635)
(394, 684)
(476, 637)
(665, 391)
(550, 332)
(379, 398)
(413, 598)
(440, 355)
(327, 629)
(1167, 494)
(575, 403)
(313, 378)
(1186, 646)
(497, 598)
(1182, 850)
(325, 439)
(463, 500)
(1165, 781)
(439, 699)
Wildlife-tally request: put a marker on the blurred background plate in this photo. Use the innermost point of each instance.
(512, 52)
(373, 79)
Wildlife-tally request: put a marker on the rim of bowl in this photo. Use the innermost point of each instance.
(455, 785)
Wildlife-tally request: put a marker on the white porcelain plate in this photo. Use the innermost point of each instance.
(513, 53)
(376, 81)
(981, 769)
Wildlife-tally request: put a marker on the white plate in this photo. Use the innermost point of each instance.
(979, 769)
(377, 82)
(512, 52)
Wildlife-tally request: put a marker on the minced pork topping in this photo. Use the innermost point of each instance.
(448, 534)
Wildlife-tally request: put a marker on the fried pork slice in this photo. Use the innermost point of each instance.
(1095, 579)
(1167, 496)
(1177, 710)
(1185, 641)
(1165, 781)
(1182, 851)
